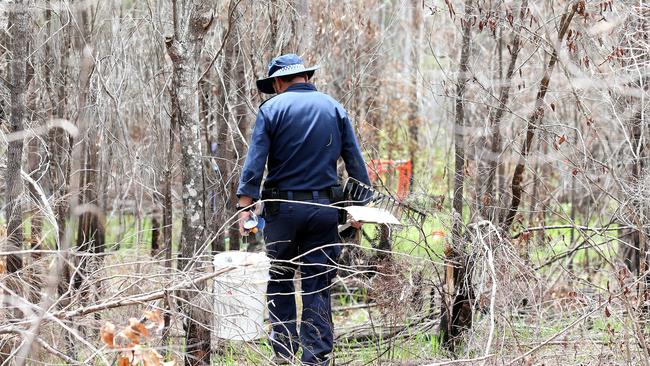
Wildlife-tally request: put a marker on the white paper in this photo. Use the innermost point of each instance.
(371, 215)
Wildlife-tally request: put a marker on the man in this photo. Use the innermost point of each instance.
(301, 133)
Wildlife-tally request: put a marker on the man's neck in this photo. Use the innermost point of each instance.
(286, 85)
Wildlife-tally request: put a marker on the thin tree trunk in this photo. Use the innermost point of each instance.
(225, 149)
(240, 128)
(221, 199)
(184, 54)
(167, 207)
(630, 253)
(451, 323)
(234, 128)
(19, 20)
(155, 234)
(638, 216)
(414, 104)
(533, 120)
(210, 178)
(184, 49)
(490, 197)
(574, 203)
(18, 30)
(167, 216)
(60, 145)
(35, 172)
(90, 232)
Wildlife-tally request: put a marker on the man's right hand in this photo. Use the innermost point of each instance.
(244, 201)
(243, 217)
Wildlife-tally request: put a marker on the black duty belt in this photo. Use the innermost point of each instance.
(295, 195)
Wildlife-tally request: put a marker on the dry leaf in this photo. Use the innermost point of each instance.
(152, 358)
(131, 336)
(139, 327)
(135, 331)
(123, 361)
(155, 318)
(121, 340)
(107, 334)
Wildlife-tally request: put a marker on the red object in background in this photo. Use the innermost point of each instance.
(404, 169)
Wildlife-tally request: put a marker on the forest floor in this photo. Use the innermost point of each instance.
(391, 317)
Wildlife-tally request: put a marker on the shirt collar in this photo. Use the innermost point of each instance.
(301, 87)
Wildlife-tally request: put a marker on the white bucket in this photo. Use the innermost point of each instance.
(240, 295)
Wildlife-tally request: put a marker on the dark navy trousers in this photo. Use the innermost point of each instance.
(300, 236)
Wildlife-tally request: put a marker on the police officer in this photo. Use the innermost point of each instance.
(300, 133)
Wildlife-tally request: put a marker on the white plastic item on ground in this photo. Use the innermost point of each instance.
(240, 295)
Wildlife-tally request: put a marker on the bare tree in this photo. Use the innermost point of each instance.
(90, 232)
(191, 22)
(490, 197)
(454, 304)
(19, 31)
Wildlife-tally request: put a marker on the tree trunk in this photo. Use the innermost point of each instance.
(235, 123)
(19, 20)
(237, 97)
(167, 216)
(35, 172)
(210, 177)
(155, 234)
(631, 254)
(491, 196)
(454, 302)
(184, 49)
(90, 232)
(18, 28)
(59, 142)
(167, 207)
(414, 103)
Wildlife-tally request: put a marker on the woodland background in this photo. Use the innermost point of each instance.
(124, 125)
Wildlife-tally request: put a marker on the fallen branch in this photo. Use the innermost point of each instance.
(46, 346)
(368, 332)
(353, 307)
(462, 361)
(136, 300)
(577, 227)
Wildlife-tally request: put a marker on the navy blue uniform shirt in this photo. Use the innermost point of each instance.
(302, 132)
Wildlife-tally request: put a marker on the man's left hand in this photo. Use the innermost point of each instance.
(355, 224)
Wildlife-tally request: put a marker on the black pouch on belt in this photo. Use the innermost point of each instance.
(271, 208)
(337, 195)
